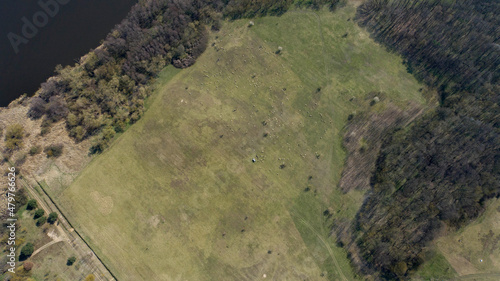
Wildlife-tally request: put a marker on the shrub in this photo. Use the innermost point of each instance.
(78, 133)
(70, 261)
(32, 204)
(14, 137)
(37, 108)
(26, 251)
(57, 108)
(38, 213)
(21, 197)
(27, 265)
(102, 141)
(54, 150)
(41, 221)
(90, 277)
(35, 150)
(52, 218)
(44, 130)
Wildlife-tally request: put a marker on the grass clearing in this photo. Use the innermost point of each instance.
(435, 268)
(177, 196)
(50, 262)
(474, 251)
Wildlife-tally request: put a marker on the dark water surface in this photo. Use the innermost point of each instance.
(59, 34)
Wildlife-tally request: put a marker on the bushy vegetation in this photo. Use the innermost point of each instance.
(38, 213)
(316, 4)
(53, 150)
(31, 204)
(21, 198)
(14, 137)
(35, 150)
(447, 164)
(26, 251)
(249, 8)
(70, 261)
(41, 221)
(52, 218)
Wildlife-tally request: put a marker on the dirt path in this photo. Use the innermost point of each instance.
(479, 276)
(327, 247)
(330, 152)
(46, 246)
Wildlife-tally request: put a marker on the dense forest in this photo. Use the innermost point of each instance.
(105, 91)
(441, 169)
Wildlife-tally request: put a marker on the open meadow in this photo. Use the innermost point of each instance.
(473, 251)
(230, 171)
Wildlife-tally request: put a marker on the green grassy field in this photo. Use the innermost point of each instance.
(474, 250)
(178, 197)
(50, 262)
(435, 268)
(472, 253)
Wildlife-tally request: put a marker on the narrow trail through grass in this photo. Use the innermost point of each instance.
(327, 246)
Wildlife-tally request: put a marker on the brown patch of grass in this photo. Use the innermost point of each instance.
(363, 138)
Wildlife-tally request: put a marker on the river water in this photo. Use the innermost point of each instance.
(37, 35)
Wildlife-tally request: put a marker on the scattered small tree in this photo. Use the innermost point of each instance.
(52, 218)
(41, 221)
(32, 204)
(71, 261)
(38, 213)
(26, 251)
